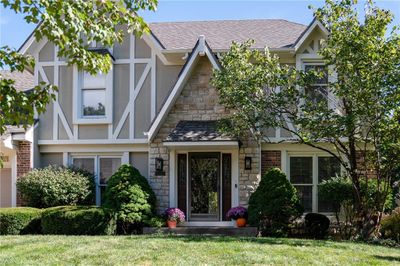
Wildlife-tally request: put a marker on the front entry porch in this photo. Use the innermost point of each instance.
(204, 185)
(204, 171)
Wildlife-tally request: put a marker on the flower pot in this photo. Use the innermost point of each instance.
(171, 224)
(241, 222)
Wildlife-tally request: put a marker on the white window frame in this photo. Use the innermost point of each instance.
(123, 157)
(78, 117)
(331, 98)
(315, 184)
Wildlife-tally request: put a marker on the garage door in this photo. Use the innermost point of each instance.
(5, 187)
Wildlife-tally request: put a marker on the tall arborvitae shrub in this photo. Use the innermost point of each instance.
(274, 204)
(131, 198)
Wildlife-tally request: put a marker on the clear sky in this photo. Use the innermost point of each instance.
(14, 30)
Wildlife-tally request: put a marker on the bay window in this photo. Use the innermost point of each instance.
(102, 167)
(306, 172)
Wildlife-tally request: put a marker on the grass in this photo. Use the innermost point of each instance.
(173, 250)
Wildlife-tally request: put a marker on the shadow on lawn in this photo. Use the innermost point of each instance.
(256, 240)
(388, 258)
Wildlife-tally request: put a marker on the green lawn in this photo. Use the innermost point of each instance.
(169, 250)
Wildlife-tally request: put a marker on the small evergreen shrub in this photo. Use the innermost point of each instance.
(56, 186)
(130, 196)
(390, 225)
(340, 192)
(274, 204)
(156, 221)
(317, 225)
(78, 220)
(337, 191)
(18, 221)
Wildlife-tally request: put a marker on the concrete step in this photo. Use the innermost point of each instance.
(200, 230)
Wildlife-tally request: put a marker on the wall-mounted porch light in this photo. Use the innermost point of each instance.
(247, 163)
(160, 166)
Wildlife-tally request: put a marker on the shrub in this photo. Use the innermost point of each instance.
(18, 221)
(155, 221)
(55, 186)
(337, 191)
(372, 195)
(78, 220)
(274, 204)
(390, 225)
(340, 192)
(317, 225)
(130, 196)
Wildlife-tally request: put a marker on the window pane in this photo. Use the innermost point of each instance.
(108, 166)
(323, 205)
(301, 170)
(327, 167)
(93, 82)
(86, 164)
(317, 94)
(305, 195)
(93, 102)
(319, 69)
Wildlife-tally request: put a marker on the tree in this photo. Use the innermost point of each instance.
(71, 26)
(364, 122)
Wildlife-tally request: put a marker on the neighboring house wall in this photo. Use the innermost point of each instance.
(23, 163)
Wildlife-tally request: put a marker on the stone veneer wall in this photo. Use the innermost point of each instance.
(23, 163)
(248, 179)
(198, 101)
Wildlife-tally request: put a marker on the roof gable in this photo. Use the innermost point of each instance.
(315, 24)
(201, 49)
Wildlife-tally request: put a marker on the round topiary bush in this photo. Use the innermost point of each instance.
(317, 225)
(130, 196)
(56, 186)
(18, 221)
(274, 204)
(78, 220)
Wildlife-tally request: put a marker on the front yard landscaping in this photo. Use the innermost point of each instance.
(172, 250)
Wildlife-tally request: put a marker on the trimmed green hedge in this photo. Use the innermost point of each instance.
(78, 220)
(56, 186)
(18, 221)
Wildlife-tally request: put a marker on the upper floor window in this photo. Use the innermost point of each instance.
(94, 98)
(318, 91)
(94, 95)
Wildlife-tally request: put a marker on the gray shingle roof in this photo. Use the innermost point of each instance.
(196, 131)
(274, 33)
(23, 80)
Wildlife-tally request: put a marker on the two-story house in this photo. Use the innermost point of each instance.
(157, 110)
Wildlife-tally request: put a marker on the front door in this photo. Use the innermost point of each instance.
(204, 186)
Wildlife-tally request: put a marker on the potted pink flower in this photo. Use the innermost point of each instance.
(174, 216)
(239, 214)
